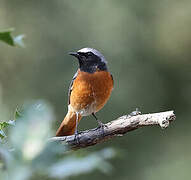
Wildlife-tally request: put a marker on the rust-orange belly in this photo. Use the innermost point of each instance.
(90, 92)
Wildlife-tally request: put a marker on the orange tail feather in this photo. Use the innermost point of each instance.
(68, 125)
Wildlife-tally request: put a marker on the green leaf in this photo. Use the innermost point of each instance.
(2, 134)
(5, 125)
(5, 36)
(27, 150)
(32, 129)
(72, 166)
(17, 114)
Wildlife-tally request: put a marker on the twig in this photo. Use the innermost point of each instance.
(116, 127)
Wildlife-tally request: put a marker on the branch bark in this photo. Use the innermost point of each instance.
(115, 128)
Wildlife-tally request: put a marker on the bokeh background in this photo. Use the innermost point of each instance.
(147, 46)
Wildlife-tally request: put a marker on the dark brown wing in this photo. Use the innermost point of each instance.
(70, 87)
(112, 78)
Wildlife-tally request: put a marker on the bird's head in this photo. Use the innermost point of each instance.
(90, 60)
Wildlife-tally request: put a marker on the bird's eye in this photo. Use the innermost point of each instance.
(89, 53)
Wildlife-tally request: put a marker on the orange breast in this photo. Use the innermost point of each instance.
(90, 92)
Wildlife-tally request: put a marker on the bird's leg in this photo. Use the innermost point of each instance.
(100, 124)
(76, 129)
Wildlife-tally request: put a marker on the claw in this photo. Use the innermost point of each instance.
(135, 113)
(102, 125)
(76, 137)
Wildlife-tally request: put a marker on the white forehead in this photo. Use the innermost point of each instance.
(94, 51)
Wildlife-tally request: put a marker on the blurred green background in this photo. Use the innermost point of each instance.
(147, 46)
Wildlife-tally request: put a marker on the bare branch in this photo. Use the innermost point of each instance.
(116, 127)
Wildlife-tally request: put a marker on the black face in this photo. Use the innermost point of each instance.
(89, 62)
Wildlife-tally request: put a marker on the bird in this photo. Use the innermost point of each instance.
(89, 90)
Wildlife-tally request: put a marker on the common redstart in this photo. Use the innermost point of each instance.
(89, 90)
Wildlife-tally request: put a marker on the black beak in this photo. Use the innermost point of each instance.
(75, 54)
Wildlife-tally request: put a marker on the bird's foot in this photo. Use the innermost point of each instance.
(101, 126)
(135, 113)
(76, 137)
